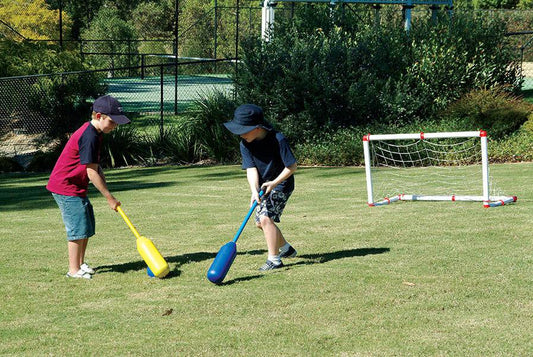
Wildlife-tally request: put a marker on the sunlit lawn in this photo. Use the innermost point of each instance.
(413, 278)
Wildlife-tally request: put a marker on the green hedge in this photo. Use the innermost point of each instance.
(312, 79)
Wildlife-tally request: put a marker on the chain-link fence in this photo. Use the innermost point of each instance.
(22, 125)
(526, 57)
(28, 115)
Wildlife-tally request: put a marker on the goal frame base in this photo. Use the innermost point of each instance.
(494, 202)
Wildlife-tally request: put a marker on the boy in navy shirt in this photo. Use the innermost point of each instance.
(269, 164)
(69, 181)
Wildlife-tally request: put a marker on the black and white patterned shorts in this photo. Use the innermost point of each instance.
(272, 206)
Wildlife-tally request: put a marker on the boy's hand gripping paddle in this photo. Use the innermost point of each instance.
(146, 248)
(225, 256)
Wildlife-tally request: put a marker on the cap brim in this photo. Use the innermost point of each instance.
(239, 129)
(119, 119)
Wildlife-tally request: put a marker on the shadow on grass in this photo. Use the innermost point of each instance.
(317, 259)
(244, 278)
(341, 254)
(182, 259)
(38, 197)
(178, 259)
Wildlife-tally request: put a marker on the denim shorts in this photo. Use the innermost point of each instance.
(78, 216)
(272, 206)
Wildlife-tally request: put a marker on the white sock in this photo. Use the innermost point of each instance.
(274, 259)
(285, 248)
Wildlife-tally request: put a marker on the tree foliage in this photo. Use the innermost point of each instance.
(27, 57)
(495, 4)
(110, 34)
(32, 19)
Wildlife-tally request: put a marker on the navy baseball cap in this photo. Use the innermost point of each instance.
(111, 107)
(246, 118)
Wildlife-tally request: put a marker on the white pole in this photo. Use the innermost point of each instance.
(485, 167)
(267, 20)
(407, 13)
(369, 189)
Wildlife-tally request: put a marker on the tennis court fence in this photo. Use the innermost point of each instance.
(34, 108)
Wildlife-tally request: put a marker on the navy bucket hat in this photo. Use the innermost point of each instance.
(111, 107)
(246, 118)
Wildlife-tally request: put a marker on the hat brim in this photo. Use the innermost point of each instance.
(119, 119)
(239, 129)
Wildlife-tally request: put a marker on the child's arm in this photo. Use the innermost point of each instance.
(98, 180)
(253, 180)
(287, 172)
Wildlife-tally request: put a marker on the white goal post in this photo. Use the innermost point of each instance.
(448, 166)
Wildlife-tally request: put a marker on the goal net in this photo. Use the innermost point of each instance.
(449, 166)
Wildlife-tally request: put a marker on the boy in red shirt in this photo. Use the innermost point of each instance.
(77, 165)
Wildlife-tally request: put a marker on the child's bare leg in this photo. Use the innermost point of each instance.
(273, 235)
(83, 249)
(281, 239)
(74, 254)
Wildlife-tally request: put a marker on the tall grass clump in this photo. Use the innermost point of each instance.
(208, 115)
(198, 135)
(124, 146)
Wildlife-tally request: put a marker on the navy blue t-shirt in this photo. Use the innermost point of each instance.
(270, 156)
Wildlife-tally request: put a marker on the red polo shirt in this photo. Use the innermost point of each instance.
(69, 176)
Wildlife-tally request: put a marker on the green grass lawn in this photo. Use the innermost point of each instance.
(412, 278)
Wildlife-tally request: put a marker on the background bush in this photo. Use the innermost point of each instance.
(64, 101)
(124, 146)
(311, 79)
(8, 164)
(517, 147)
(498, 112)
(44, 161)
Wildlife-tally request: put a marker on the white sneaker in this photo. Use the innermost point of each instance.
(86, 268)
(80, 274)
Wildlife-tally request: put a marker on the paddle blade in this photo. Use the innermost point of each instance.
(220, 267)
(152, 257)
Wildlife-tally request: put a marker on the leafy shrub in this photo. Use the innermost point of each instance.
(525, 4)
(311, 79)
(495, 4)
(199, 135)
(8, 164)
(343, 147)
(44, 161)
(528, 125)
(494, 110)
(177, 144)
(516, 147)
(28, 58)
(62, 99)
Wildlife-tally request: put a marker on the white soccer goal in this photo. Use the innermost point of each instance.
(448, 166)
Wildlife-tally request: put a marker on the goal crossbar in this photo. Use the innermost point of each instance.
(488, 201)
